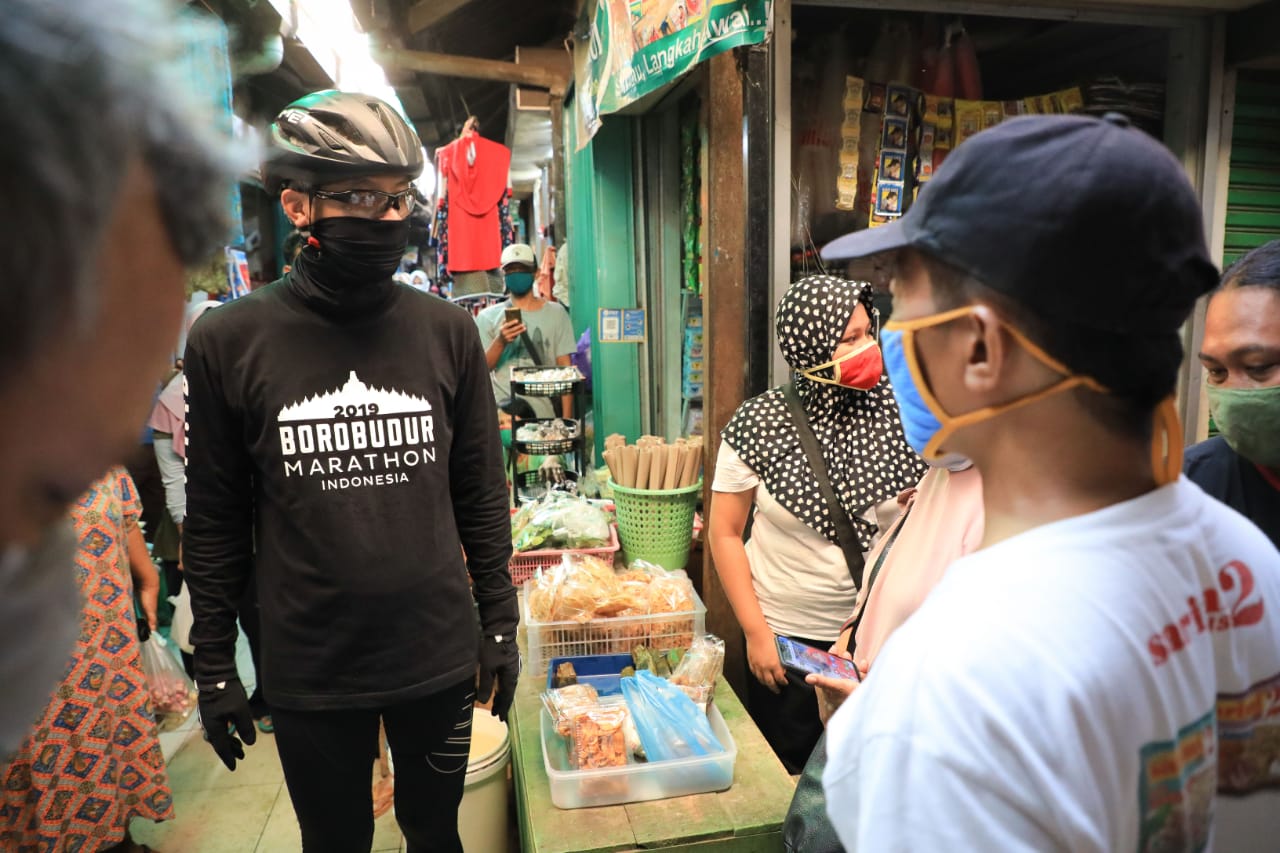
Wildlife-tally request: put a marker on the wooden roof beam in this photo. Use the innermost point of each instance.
(428, 12)
(471, 68)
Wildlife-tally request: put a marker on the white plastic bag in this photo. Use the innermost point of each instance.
(180, 628)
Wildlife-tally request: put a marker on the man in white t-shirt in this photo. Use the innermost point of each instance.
(1107, 666)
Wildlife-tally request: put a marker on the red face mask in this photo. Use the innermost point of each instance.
(860, 369)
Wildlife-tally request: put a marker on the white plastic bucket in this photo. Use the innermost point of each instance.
(482, 817)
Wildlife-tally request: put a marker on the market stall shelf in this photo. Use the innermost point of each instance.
(545, 436)
(747, 818)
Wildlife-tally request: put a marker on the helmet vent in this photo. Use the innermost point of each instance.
(385, 119)
(342, 126)
(330, 140)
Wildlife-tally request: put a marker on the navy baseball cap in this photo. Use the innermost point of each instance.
(1081, 220)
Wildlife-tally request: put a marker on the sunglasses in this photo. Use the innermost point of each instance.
(372, 202)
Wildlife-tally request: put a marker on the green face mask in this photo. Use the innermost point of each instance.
(506, 437)
(1249, 419)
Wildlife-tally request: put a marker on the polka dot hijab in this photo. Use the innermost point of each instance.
(860, 432)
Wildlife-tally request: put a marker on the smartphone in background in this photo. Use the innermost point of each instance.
(803, 659)
(513, 315)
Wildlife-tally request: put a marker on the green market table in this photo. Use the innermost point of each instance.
(747, 818)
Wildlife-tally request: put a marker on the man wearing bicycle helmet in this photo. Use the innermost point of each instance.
(343, 454)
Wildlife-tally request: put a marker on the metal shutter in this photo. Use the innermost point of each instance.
(1253, 196)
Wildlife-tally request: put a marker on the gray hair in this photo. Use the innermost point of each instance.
(83, 95)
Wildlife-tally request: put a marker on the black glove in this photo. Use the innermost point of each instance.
(222, 705)
(500, 659)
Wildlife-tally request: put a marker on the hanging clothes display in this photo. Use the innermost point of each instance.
(473, 204)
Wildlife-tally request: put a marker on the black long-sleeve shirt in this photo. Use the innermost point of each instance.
(344, 452)
(1226, 475)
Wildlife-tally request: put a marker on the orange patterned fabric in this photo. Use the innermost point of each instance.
(93, 760)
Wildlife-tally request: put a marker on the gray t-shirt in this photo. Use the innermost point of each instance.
(552, 335)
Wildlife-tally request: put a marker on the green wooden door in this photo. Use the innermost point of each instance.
(1253, 196)
(602, 266)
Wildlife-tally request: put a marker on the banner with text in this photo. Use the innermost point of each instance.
(626, 49)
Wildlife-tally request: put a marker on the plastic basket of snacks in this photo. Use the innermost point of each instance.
(543, 531)
(524, 564)
(547, 436)
(617, 734)
(581, 606)
(544, 381)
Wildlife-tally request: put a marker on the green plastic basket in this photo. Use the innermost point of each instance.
(656, 525)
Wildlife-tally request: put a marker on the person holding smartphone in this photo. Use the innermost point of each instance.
(942, 520)
(525, 331)
(791, 577)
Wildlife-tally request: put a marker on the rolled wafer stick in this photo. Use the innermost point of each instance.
(693, 464)
(658, 473)
(615, 468)
(615, 440)
(683, 466)
(675, 462)
(642, 471)
(629, 459)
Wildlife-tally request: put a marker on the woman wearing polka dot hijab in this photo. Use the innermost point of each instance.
(791, 578)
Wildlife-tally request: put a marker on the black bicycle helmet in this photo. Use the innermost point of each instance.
(332, 136)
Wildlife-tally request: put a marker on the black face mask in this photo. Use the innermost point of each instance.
(352, 265)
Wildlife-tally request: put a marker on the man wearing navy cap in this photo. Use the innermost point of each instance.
(1106, 665)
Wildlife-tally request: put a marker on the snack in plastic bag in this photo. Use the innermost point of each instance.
(702, 665)
(669, 723)
(563, 703)
(700, 695)
(173, 696)
(598, 738)
(559, 521)
(587, 586)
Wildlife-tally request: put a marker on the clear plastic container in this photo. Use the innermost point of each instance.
(658, 780)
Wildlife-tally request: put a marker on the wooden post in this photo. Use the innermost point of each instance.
(724, 317)
(558, 211)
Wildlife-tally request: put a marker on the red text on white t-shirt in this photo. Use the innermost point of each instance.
(1207, 613)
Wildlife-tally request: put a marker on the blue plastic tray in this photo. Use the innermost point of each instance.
(603, 672)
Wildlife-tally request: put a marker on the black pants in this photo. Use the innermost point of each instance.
(788, 720)
(328, 756)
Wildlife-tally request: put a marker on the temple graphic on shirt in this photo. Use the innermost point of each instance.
(354, 393)
(356, 436)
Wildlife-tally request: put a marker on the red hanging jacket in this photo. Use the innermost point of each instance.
(476, 170)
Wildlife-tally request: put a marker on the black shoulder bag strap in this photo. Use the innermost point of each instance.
(845, 534)
(875, 572)
(533, 351)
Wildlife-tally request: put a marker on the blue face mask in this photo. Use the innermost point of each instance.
(918, 421)
(519, 283)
